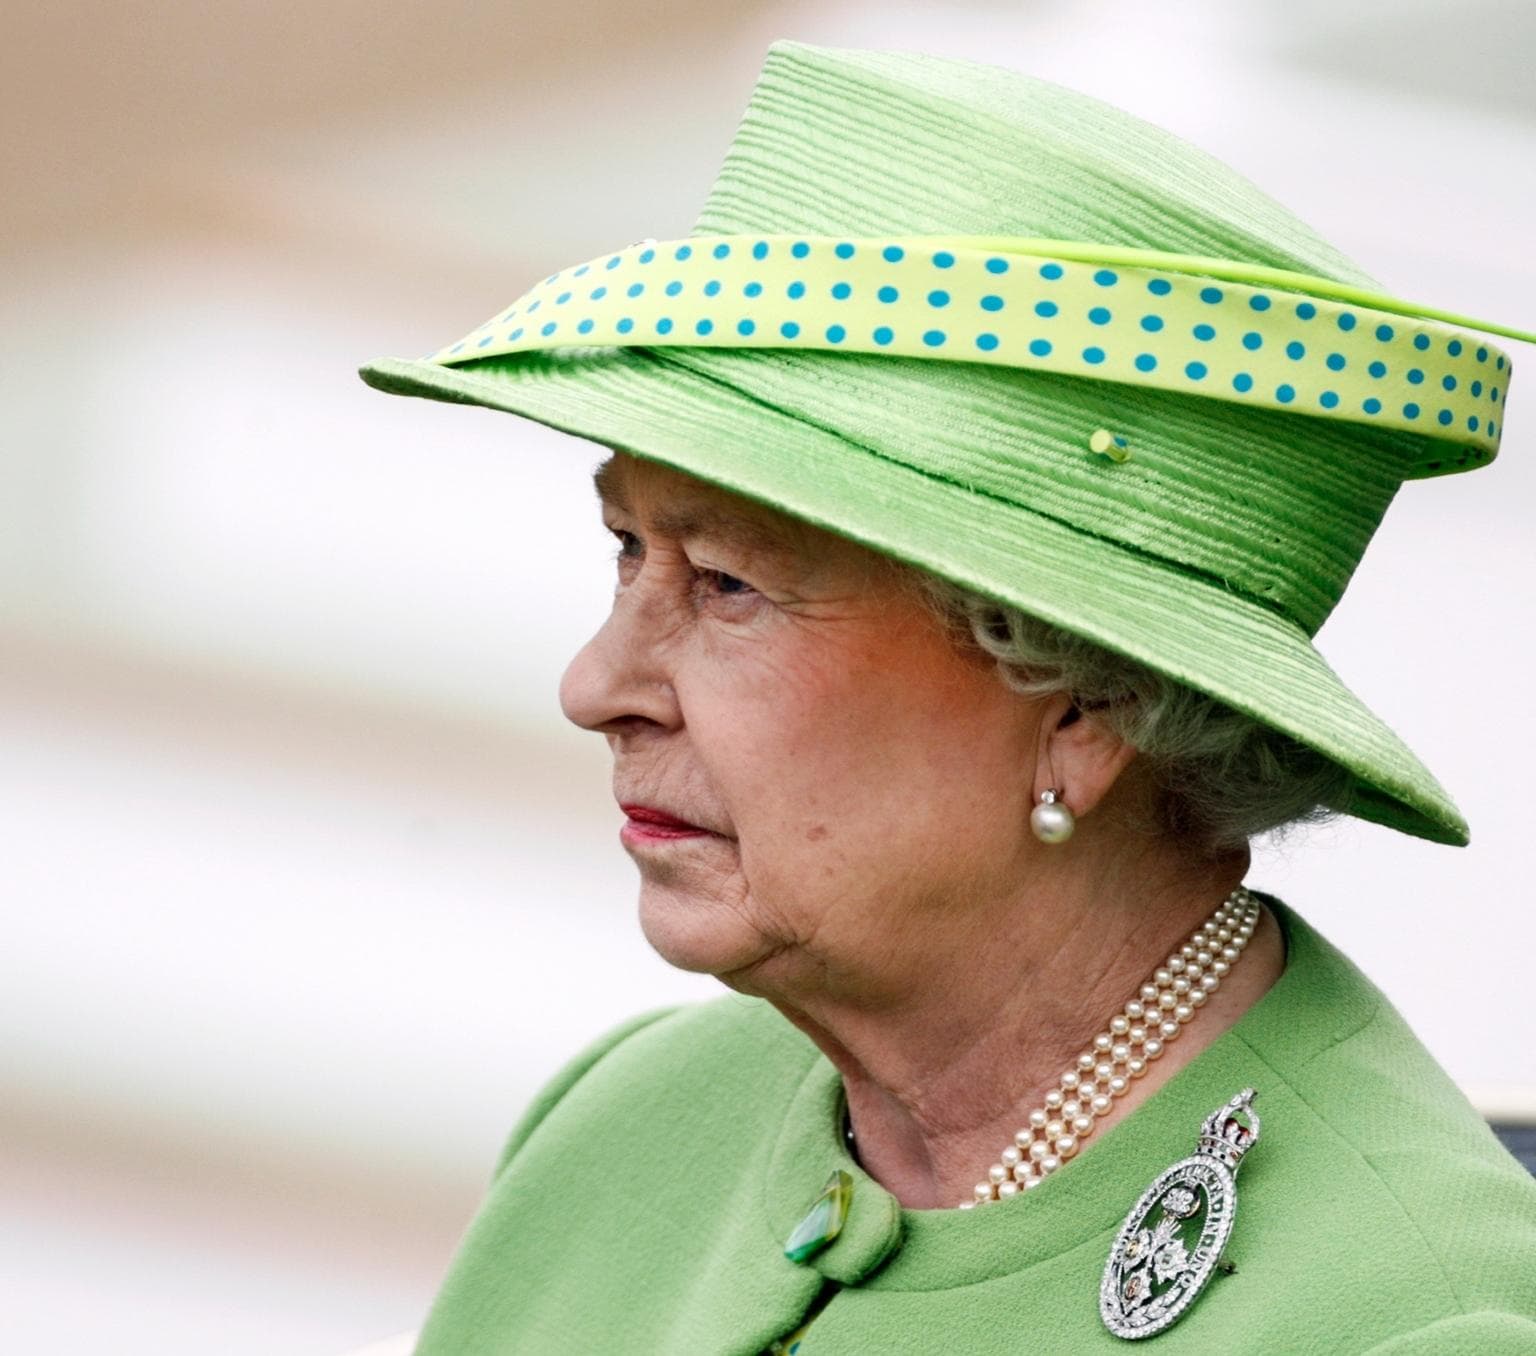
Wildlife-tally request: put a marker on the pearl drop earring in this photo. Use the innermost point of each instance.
(1051, 820)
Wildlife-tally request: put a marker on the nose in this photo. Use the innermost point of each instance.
(619, 681)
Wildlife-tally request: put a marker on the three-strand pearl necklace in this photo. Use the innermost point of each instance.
(1169, 999)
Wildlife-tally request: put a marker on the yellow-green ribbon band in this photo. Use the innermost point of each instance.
(1208, 327)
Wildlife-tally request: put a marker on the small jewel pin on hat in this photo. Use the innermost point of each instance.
(1172, 1240)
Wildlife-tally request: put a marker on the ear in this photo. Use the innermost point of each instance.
(1079, 750)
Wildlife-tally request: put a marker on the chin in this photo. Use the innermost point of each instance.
(698, 934)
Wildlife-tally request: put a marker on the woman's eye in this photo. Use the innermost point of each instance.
(725, 583)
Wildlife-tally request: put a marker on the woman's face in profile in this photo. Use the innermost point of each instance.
(854, 774)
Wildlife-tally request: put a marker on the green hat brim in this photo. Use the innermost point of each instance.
(1236, 650)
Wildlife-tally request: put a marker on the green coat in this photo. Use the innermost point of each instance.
(642, 1204)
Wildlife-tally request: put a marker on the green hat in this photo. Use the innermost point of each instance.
(1025, 341)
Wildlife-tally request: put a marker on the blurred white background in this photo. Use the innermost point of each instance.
(306, 886)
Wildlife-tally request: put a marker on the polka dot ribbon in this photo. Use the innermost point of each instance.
(1218, 328)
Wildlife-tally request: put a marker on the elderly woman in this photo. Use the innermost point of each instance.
(953, 662)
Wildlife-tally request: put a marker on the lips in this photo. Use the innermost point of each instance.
(660, 819)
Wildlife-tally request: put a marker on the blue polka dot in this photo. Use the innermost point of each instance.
(1499, 363)
(796, 291)
(712, 288)
(1106, 277)
(943, 259)
(799, 249)
(585, 327)
(884, 334)
(1415, 375)
(578, 272)
(1253, 339)
(647, 255)
(1477, 388)
(598, 293)
(1152, 323)
(991, 303)
(533, 306)
(1346, 321)
(1259, 302)
(1305, 310)
(1445, 416)
(549, 328)
(704, 326)
(1449, 382)
(1040, 347)
(893, 254)
(1051, 271)
(1421, 341)
(995, 265)
(1384, 333)
(887, 293)
(516, 334)
(1377, 368)
(1242, 382)
(1295, 349)
(789, 329)
(1210, 295)
(1410, 411)
(841, 291)
(933, 338)
(1335, 362)
(664, 325)
(683, 252)
(1454, 348)
(1285, 393)
(1482, 355)
(1160, 287)
(986, 341)
(1145, 362)
(1046, 308)
(760, 250)
(1472, 422)
(1093, 355)
(1328, 399)
(674, 287)
(1372, 406)
(626, 325)
(752, 289)
(745, 326)
(613, 263)
(844, 250)
(836, 334)
(635, 289)
(938, 297)
(562, 299)
(1195, 371)
(1099, 315)
(721, 250)
(1205, 333)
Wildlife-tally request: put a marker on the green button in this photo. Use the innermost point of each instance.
(823, 1221)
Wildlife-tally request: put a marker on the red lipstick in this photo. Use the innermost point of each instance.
(649, 825)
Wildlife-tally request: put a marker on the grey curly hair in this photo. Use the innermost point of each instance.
(1221, 776)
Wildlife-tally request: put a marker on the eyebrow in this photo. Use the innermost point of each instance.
(739, 531)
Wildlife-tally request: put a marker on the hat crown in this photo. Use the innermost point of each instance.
(837, 140)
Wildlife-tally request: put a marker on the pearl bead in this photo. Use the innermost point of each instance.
(1153, 1048)
(1165, 1001)
(1010, 1156)
(1134, 1010)
(1052, 822)
(1120, 1053)
(1006, 1189)
(998, 1173)
(967, 1205)
(1203, 957)
(1031, 1182)
(1183, 1012)
(1023, 1172)
(1082, 1126)
(1037, 1119)
(1169, 1030)
(1118, 1084)
(1162, 977)
(1220, 968)
(1176, 965)
(1198, 997)
(983, 1191)
(1054, 1099)
(1102, 1041)
(1039, 1149)
(1085, 1061)
(1136, 1067)
(1049, 1163)
(1181, 986)
(1138, 1034)
(1070, 1079)
(1149, 993)
(1071, 1109)
(1104, 1072)
(1066, 1146)
(1053, 1129)
(1100, 1103)
(1118, 1026)
(1187, 951)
